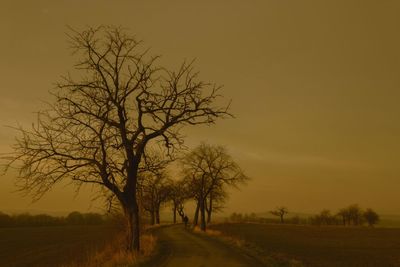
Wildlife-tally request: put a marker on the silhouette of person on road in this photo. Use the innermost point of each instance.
(186, 220)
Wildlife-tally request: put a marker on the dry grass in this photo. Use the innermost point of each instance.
(115, 254)
(272, 259)
(215, 233)
(209, 232)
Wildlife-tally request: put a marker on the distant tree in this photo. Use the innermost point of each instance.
(252, 217)
(371, 217)
(75, 218)
(23, 219)
(355, 214)
(93, 218)
(101, 124)
(236, 217)
(44, 220)
(280, 212)
(325, 218)
(6, 220)
(344, 215)
(351, 215)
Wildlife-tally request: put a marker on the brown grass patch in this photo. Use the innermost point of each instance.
(115, 254)
(209, 232)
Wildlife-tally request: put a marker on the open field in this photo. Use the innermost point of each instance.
(50, 246)
(320, 246)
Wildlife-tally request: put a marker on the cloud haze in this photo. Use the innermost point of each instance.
(314, 86)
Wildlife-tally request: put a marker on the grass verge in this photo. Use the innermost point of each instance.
(252, 250)
(114, 254)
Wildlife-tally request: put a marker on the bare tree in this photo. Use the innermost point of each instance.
(325, 218)
(207, 168)
(178, 195)
(371, 217)
(355, 214)
(100, 124)
(280, 212)
(155, 189)
(344, 214)
(352, 215)
(154, 184)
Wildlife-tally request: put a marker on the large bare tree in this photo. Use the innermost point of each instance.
(209, 169)
(116, 103)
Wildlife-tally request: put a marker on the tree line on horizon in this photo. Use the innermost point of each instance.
(73, 218)
(352, 215)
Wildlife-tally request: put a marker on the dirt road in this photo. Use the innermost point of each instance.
(180, 247)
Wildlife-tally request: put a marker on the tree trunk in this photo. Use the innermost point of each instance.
(158, 214)
(202, 215)
(131, 211)
(196, 214)
(281, 218)
(152, 218)
(174, 212)
(209, 210)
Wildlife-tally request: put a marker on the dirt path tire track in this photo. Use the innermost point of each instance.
(180, 247)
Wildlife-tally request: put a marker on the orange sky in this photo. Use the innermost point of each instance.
(315, 88)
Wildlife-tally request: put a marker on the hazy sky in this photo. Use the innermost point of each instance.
(315, 87)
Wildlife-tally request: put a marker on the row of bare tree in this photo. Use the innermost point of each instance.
(351, 215)
(106, 116)
(206, 173)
